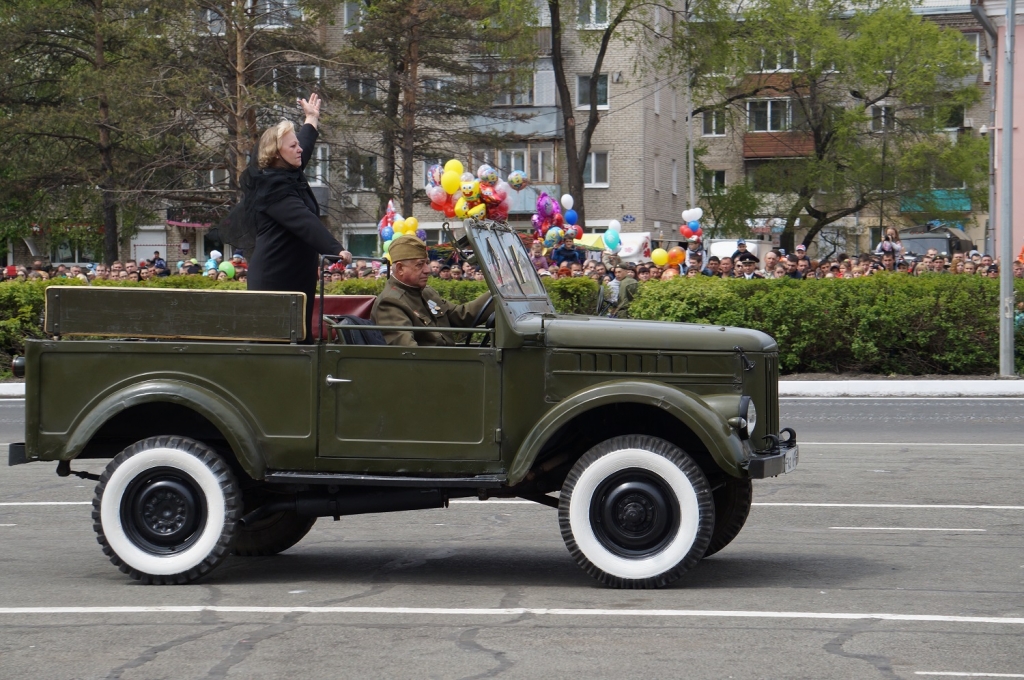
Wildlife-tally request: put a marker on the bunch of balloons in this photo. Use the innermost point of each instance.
(393, 225)
(612, 239)
(692, 228)
(457, 193)
(551, 224)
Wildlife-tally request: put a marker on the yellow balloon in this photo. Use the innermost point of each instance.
(454, 166)
(399, 226)
(451, 182)
(460, 208)
(659, 257)
(411, 225)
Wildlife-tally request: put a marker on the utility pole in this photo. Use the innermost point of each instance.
(1006, 297)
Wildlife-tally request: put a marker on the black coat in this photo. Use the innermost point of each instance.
(289, 234)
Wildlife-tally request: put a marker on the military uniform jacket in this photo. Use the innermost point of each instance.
(402, 305)
(627, 291)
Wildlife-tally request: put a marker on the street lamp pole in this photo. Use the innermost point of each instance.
(1006, 297)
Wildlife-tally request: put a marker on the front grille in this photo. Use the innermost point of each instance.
(771, 381)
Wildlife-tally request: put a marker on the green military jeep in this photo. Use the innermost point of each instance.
(228, 436)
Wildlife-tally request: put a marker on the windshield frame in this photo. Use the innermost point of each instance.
(507, 267)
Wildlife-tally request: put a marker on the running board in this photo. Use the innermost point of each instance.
(348, 479)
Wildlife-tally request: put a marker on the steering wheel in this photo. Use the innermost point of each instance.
(478, 318)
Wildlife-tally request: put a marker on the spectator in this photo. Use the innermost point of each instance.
(937, 266)
(567, 253)
(748, 261)
(222, 276)
(564, 272)
(158, 261)
(669, 273)
(537, 256)
(478, 275)
(771, 259)
(792, 269)
(986, 260)
(741, 247)
(643, 274)
(212, 273)
(713, 263)
(889, 260)
(467, 271)
(446, 273)
(576, 269)
(992, 272)
(890, 243)
(693, 263)
(1018, 269)
(655, 270)
(238, 262)
(725, 268)
(216, 257)
(456, 273)
(435, 267)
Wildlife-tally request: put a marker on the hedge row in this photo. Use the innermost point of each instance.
(877, 324)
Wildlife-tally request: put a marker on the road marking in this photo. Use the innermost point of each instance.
(8, 525)
(512, 611)
(954, 674)
(47, 503)
(900, 529)
(890, 505)
(900, 398)
(971, 445)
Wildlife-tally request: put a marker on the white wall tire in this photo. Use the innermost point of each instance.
(166, 510)
(636, 512)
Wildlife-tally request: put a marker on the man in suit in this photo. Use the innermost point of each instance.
(407, 300)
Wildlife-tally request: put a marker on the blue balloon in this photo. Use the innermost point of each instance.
(694, 225)
(387, 233)
(571, 217)
(611, 240)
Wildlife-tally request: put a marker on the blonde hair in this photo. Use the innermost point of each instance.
(270, 142)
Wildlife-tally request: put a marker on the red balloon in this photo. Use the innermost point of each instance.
(489, 195)
(685, 231)
(699, 232)
(579, 232)
(558, 220)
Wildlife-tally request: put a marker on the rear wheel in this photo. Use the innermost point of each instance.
(732, 505)
(166, 510)
(636, 512)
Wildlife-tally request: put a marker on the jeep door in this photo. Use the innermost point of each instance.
(407, 403)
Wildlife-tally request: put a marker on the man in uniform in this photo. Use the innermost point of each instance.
(407, 300)
(748, 261)
(627, 289)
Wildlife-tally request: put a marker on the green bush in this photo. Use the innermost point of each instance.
(875, 324)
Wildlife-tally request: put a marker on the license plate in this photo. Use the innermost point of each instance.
(792, 457)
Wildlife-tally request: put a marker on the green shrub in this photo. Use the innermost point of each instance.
(875, 324)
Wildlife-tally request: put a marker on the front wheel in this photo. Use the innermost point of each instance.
(166, 510)
(636, 512)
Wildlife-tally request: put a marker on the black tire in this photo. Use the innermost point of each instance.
(636, 512)
(166, 510)
(732, 505)
(272, 534)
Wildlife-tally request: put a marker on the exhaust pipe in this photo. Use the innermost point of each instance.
(351, 504)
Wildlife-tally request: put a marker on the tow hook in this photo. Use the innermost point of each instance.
(64, 470)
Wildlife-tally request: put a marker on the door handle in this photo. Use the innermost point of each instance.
(335, 381)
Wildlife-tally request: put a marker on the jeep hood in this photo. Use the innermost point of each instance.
(604, 333)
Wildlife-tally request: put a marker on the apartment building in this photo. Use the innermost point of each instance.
(760, 132)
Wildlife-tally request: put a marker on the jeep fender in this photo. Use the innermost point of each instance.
(707, 424)
(224, 416)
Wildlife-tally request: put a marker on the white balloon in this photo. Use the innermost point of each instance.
(688, 215)
(398, 217)
(567, 201)
(697, 213)
(614, 226)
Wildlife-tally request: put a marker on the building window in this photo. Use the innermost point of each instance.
(298, 80)
(512, 160)
(542, 162)
(67, 252)
(593, 13)
(713, 181)
(317, 170)
(583, 91)
(214, 20)
(882, 118)
(219, 179)
(768, 115)
(770, 60)
(352, 17)
(271, 13)
(657, 98)
(595, 172)
(974, 39)
(657, 173)
(714, 123)
(513, 97)
(360, 91)
(675, 177)
(362, 172)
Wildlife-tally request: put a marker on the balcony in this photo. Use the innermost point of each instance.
(777, 145)
(544, 41)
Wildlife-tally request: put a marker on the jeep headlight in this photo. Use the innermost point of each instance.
(746, 420)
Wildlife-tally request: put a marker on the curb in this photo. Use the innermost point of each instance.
(825, 388)
(901, 388)
(10, 390)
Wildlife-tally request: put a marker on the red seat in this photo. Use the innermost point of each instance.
(338, 305)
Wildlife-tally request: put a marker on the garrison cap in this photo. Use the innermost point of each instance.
(747, 257)
(407, 247)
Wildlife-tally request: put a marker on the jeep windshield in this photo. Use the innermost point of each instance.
(501, 253)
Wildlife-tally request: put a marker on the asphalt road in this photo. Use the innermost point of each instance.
(467, 592)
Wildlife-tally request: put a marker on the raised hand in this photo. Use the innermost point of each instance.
(311, 108)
